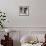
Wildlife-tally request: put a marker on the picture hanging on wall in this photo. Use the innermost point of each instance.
(24, 11)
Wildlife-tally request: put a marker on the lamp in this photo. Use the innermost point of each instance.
(7, 31)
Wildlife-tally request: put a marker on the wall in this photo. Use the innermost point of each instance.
(37, 13)
(36, 21)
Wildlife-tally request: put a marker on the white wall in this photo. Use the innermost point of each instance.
(37, 13)
(36, 21)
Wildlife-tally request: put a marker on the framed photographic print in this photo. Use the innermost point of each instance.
(24, 11)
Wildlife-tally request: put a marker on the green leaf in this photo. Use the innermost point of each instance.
(4, 13)
(4, 16)
(2, 26)
(0, 12)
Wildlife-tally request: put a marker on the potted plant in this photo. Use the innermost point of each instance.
(2, 19)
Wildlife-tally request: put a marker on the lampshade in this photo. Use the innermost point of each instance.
(7, 30)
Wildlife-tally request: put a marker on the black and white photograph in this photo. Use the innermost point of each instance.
(24, 10)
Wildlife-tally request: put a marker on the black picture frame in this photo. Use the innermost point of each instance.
(24, 11)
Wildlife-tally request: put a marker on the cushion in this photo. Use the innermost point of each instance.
(26, 39)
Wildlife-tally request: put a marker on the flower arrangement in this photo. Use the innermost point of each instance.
(2, 19)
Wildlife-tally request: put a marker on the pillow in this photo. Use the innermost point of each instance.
(26, 44)
(28, 39)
